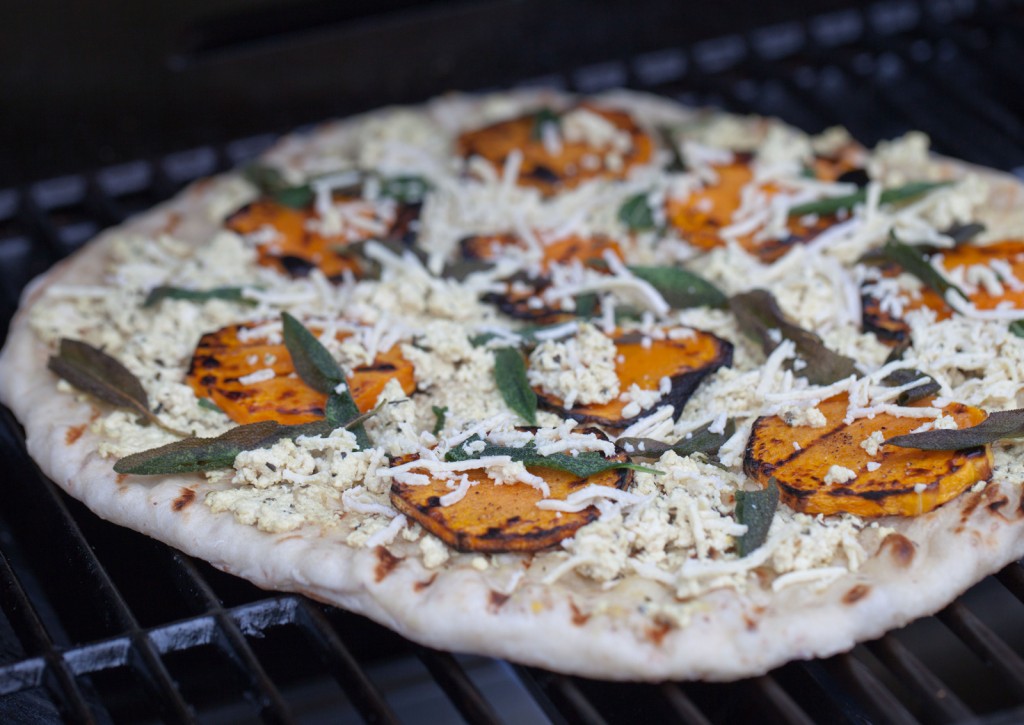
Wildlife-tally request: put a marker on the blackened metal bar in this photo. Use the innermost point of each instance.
(938, 701)
(885, 705)
(569, 703)
(780, 701)
(531, 680)
(103, 207)
(986, 644)
(18, 607)
(41, 228)
(1012, 577)
(469, 701)
(343, 665)
(682, 705)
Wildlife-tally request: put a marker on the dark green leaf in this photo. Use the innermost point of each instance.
(314, 364)
(755, 510)
(998, 426)
(542, 117)
(963, 233)
(700, 441)
(95, 372)
(680, 288)
(1017, 328)
(586, 304)
(913, 261)
(677, 164)
(636, 213)
(228, 294)
(272, 183)
(341, 411)
(889, 196)
(584, 465)
(758, 314)
(440, 413)
(904, 376)
(210, 405)
(405, 189)
(510, 377)
(462, 269)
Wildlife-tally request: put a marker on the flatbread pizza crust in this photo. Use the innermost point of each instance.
(729, 633)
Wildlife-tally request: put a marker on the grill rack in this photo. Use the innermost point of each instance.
(88, 634)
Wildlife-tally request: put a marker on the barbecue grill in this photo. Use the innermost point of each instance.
(99, 624)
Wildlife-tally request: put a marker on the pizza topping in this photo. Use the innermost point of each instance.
(998, 426)
(580, 369)
(707, 439)
(164, 292)
(888, 196)
(755, 510)
(511, 378)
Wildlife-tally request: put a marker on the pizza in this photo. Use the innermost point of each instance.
(605, 385)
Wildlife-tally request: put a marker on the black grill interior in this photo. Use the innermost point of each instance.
(99, 624)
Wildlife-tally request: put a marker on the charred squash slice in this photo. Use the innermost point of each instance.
(907, 481)
(685, 362)
(297, 249)
(494, 518)
(892, 329)
(222, 361)
(566, 167)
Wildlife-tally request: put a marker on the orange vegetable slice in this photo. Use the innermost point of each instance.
(222, 360)
(574, 163)
(907, 481)
(297, 248)
(494, 518)
(685, 362)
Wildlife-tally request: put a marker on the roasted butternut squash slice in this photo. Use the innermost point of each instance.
(566, 165)
(223, 360)
(299, 247)
(685, 362)
(905, 481)
(493, 518)
(892, 329)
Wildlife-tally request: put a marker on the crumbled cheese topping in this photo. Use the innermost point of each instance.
(579, 370)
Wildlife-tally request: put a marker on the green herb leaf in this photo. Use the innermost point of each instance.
(755, 510)
(586, 305)
(1017, 328)
(681, 288)
(510, 377)
(913, 261)
(700, 441)
(405, 189)
(668, 139)
(584, 465)
(540, 118)
(95, 372)
(636, 213)
(963, 233)
(896, 378)
(272, 183)
(314, 364)
(758, 314)
(998, 426)
(440, 414)
(889, 196)
(210, 405)
(228, 294)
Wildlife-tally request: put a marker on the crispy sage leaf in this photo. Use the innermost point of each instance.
(636, 213)
(542, 117)
(406, 189)
(314, 364)
(701, 440)
(758, 314)
(668, 139)
(963, 233)
(584, 465)
(913, 261)
(586, 304)
(681, 288)
(996, 427)
(272, 183)
(1017, 328)
(755, 510)
(95, 372)
(928, 386)
(440, 414)
(889, 196)
(228, 294)
(510, 377)
(210, 405)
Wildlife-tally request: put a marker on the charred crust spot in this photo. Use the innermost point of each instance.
(386, 563)
(972, 502)
(900, 548)
(578, 617)
(657, 631)
(750, 622)
(496, 600)
(186, 497)
(121, 477)
(74, 433)
(994, 506)
(856, 593)
(420, 586)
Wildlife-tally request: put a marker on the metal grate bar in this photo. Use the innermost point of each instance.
(343, 666)
(471, 704)
(780, 701)
(682, 705)
(986, 643)
(566, 698)
(887, 707)
(938, 701)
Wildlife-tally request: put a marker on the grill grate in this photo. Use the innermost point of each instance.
(99, 624)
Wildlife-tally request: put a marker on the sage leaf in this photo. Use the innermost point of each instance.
(929, 386)
(889, 196)
(210, 405)
(95, 372)
(272, 183)
(584, 465)
(677, 164)
(510, 377)
(314, 364)
(1017, 328)
(440, 414)
(996, 427)
(701, 440)
(228, 294)
(542, 117)
(758, 314)
(963, 233)
(755, 510)
(586, 305)
(405, 189)
(681, 288)
(636, 213)
(913, 261)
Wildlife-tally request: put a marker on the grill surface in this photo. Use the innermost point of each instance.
(101, 624)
